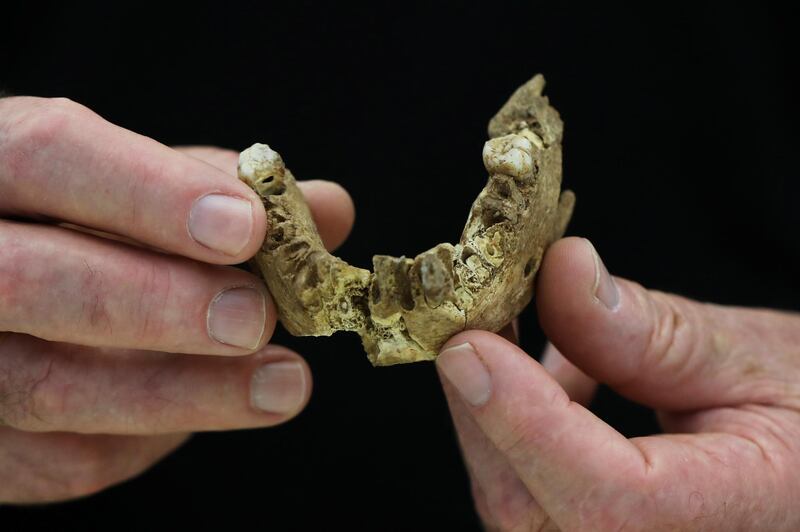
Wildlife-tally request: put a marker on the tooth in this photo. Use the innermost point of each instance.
(407, 309)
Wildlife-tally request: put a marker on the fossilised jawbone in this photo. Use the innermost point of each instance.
(407, 309)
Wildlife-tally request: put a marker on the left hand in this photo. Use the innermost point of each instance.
(724, 381)
(115, 287)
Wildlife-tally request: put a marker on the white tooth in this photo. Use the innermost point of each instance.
(258, 161)
(510, 155)
(522, 143)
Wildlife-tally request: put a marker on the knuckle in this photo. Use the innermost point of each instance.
(51, 119)
(28, 398)
(141, 316)
(13, 263)
(45, 398)
(155, 285)
(39, 124)
(94, 312)
(673, 340)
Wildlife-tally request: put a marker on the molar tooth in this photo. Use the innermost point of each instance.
(510, 155)
(521, 142)
(408, 308)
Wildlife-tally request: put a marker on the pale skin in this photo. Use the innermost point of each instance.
(725, 383)
(115, 287)
(107, 285)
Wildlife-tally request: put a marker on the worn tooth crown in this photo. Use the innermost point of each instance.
(511, 155)
(407, 308)
(262, 168)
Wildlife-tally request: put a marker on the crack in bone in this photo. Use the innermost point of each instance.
(407, 308)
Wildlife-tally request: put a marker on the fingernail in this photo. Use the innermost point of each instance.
(462, 367)
(278, 387)
(222, 223)
(604, 288)
(237, 316)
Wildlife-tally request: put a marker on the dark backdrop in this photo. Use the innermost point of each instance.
(681, 136)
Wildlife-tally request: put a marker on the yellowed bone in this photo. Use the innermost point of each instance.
(407, 308)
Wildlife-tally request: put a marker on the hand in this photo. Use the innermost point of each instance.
(93, 307)
(725, 383)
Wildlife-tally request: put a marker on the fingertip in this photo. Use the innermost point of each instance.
(567, 270)
(225, 161)
(332, 209)
(483, 366)
(531, 421)
(479, 341)
(597, 323)
(474, 336)
(331, 205)
(224, 219)
(280, 384)
(241, 319)
(566, 300)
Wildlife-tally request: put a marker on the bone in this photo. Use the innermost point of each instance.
(407, 308)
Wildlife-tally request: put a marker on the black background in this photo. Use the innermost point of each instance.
(681, 142)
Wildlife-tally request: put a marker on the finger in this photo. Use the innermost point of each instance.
(715, 481)
(58, 159)
(663, 350)
(331, 206)
(744, 458)
(559, 450)
(502, 500)
(479, 499)
(509, 332)
(222, 158)
(66, 286)
(579, 386)
(588, 477)
(60, 387)
(335, 221)
(61, 466)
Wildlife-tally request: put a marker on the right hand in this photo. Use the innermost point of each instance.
(724, 381)
(113, 285)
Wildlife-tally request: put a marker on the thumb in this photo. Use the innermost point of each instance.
(582, 473)
(659, 349)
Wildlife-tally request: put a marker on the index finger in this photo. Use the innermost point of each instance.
(59, 159)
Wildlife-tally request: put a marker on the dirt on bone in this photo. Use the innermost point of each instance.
(407, 308)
